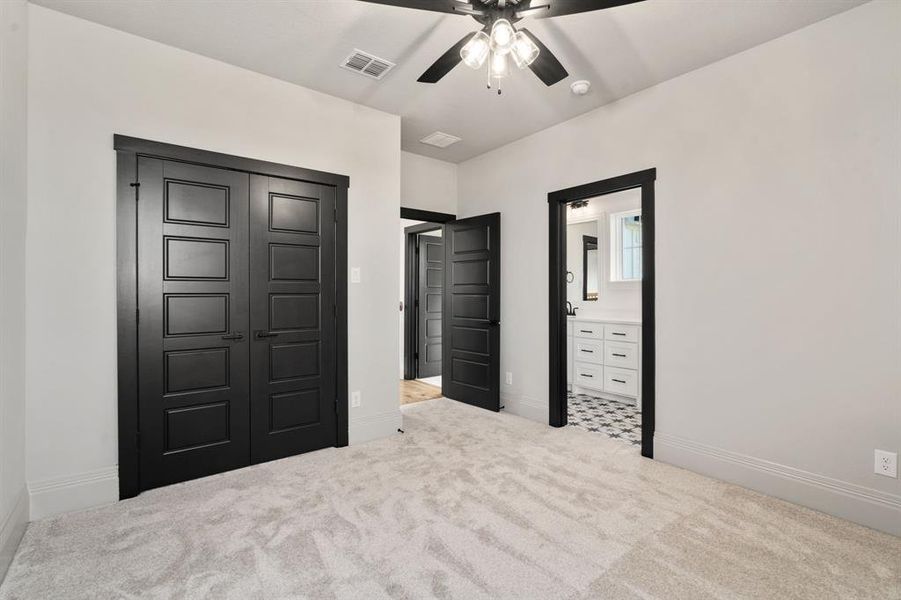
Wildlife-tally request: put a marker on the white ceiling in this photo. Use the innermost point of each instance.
(620, 50)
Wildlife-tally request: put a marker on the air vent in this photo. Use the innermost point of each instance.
(367, 64)
(440, 139)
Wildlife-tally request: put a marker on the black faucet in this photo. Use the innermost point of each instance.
(569, 309)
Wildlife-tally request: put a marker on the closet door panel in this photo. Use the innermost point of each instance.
(292, 298)
(194, 403)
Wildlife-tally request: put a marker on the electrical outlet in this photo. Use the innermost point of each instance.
(508, 378)
(886, 463)
(355, 276)
(355, 399)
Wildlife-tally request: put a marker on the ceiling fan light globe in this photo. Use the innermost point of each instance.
(476, 50)
(524, 50)
(498, 65)
(502, 35)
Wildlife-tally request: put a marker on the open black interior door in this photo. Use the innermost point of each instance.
(472, 311)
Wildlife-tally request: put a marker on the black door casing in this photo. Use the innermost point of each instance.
(472, 304)
(431, 284)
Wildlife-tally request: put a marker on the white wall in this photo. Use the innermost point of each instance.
(428, 183)
(88, 82)
(616, 299)
(13, 190)
(778, 238)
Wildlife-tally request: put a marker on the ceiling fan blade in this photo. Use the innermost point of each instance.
(543, 9)
(445, 62)
(454, 7)
(546, 66)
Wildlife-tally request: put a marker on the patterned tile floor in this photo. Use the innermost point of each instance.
(617, 420)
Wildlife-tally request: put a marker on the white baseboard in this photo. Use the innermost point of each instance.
(524, 406)
(867, 506)
(373, 427)
(50, 497)
(12, 528)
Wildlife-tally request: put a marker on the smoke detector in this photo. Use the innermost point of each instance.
(581, 87)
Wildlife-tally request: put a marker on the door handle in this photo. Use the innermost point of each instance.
(494, 323)
(261, 334)
(235, 335)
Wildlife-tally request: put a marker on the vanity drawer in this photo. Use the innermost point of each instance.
(621, 354)
(588, 375)
(588, 350)
(621, 333)
(588, 330)
(621, 381)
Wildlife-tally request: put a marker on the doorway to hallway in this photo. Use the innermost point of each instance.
(450, 326)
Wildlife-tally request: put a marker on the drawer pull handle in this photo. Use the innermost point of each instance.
(619, 381)
(619, 355)
(587, 351)
(585, 331)
(587, 375)
(617, 333)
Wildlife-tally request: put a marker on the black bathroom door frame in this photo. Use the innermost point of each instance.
(128, 151)
(557, 355)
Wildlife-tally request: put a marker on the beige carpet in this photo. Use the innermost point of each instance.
(467, 504)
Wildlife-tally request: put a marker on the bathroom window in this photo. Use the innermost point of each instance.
(625, 246)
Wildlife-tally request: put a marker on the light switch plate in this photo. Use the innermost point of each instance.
(355, 399)
(508, 378)
(355, 276)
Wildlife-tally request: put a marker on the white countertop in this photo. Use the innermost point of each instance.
(621, 319)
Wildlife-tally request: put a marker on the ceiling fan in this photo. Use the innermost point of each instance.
(499, 39)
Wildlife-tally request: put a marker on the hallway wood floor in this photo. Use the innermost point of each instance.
(412, 391)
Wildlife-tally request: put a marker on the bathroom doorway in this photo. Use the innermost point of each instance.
(601, 362)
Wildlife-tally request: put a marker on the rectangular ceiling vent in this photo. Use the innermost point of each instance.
(439, 139)
(367, 64)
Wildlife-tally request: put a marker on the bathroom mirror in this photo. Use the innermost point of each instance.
(589, 268)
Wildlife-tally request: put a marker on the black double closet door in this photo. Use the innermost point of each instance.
(236, 322)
